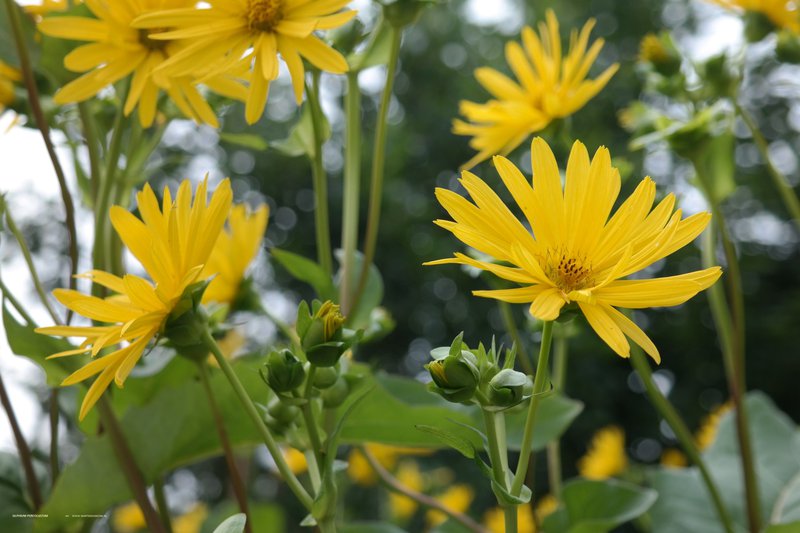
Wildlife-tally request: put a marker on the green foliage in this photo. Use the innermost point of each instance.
(301, 137)
(234, 524)
(371, 297)
(306, 270)
(683, 500)
(8, 45)
(263, 516)
(12, 495)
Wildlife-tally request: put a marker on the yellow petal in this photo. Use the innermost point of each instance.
(606, 328)
(547, 304)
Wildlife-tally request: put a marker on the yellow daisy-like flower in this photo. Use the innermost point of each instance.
(129, 518)
(707, 433)
(228, 33)
(549, 86)
(457, 498)
(295, 459)
(782, 13)
(8, 77)
(673, 458)
(172, 244)
(235, 249)
(606, 455)
(191, 521)
(118, 50)
(574, 253)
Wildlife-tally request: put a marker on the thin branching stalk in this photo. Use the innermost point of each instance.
(236, 478)
(44, 128)
(288, 476)
(8, 295)
(161, 502)
(393, 484)
(682, 433)
(24, 451)
(321, 216)
(352, 187)
(378, 159)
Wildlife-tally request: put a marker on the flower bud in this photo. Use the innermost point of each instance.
(455, 375)
(509, 388)
(187, 324)
(660, 52)
(284, 371)
(325, 377)
(282, 412)
(335, 395)
(321, 333)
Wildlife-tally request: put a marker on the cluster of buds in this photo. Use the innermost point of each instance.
(461, 375)
(321, 332)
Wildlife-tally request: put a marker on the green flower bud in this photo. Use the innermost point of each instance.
(325, 377)
(335, 395)
(719, 77)
(282, 412)
(186, 325)
(321, 333)
(455, 374)
(284, 371)
(509, 388)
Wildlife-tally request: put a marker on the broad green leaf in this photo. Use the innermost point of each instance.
(593, 506)
(684, 502)
(24, 341)
(246, 140)
(263, 516)
(373, 290)
(301, 137)
(234, 524)
(459, 444)
(8, 46)
(306, 270)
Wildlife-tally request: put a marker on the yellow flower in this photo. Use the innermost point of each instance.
(296, 460)
(8, 76)
(652, 49)
(575, 253)
(192, 521)
(359, 469)
(782, 13)
(228, 33)
(117, 50)
(606, 455)
(549, 86)
(234, 251)
(456, 498)
(172, 244)
(408, 474)
(45, 7)
(129, 518)
(672, 458)
(707, 433)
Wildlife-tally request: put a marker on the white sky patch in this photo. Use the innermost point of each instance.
(718, 30)
(507, 16)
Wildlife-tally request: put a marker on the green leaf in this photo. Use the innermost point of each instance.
(24, 341)
(792, 527)
(370, 527)
(234, 524)
(263, 516)
(8, 46)
(461, 445)
(684, 501)
(593, 506)
(306, 270)
(13, 499)
(245, 140)
(301, 137)
(377, 50)
(717, 165)
(373, 290)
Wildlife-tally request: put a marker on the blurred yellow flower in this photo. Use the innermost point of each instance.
(574, 254)
(548, 86)
(117, 50)
(8, 76)
(223, 35)
(172, 244)
(408, 474)
(707, 432)
(296, 460)
(606, 455)
(457, 498)
(45, 7)
(672, 458)
(128, 518)
(495, 521)
(359, 469)
(192, 521)
(652, 49)
(235, 249)
(782, 13)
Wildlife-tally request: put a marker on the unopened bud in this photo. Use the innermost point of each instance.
(335, 395)
(509, 388)
(284, 371)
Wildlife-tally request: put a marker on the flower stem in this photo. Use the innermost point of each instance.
(378, 158)
(161, 502)
(274, 450)
(128, 463)
(44, 128)
(682, 433)
(780, 182)
(93, 146)
(54, 413)
(498, 453)
(512, 329)
(352, 185)
(236, 478)
(554, 448)
(309, 419)
(321, 217)
(394, 484)
(25, 456)
(530, 421)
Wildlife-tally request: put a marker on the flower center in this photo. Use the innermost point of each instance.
(264, 15)
(150, 43)
(568, 272)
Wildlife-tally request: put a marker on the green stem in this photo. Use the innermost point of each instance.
(54, 416)
(236, 479)
(8, 295)
(161, 502)
(682, 433)
(308, 416)
(291, 480)
(539, 383)
(378, 158)
(321, 217)
(26, 254)
(554, 448)
(93, 146)
(512, 329)
(496, 438)
(25, 456)
(780, 182)
(352, 185)
(44, 128)
(128, 464)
